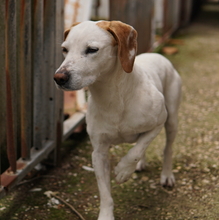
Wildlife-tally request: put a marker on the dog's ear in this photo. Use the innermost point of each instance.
(126, 38)
(66, 32)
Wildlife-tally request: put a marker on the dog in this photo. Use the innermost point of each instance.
(131, 98)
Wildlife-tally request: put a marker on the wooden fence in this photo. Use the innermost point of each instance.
(30, 105)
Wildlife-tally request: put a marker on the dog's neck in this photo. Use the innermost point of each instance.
(109, 91)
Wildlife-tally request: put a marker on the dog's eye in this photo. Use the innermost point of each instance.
(64, 50)
(91, 50)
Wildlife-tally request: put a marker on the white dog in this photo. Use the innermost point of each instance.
(131, 99)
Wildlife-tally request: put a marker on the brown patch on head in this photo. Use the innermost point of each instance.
(66, 32)
(126, 38)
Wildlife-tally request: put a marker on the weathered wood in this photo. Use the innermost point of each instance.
(2, 89)
(38, 74)
(49, 59)
(11, 82)
(137, 14)
(24, 75)
(59, 30)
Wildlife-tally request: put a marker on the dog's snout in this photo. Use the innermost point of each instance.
(61, 78)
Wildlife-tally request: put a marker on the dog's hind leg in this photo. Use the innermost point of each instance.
(167, 177)
(172, 99)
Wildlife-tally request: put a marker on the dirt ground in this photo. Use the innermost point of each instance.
(196, 153)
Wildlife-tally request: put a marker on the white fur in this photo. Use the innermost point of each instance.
(122, 107)
(131, 53)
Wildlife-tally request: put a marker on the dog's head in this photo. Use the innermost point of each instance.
(92, 49)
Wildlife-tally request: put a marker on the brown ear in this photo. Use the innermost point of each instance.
(126, 38)
(66, 32)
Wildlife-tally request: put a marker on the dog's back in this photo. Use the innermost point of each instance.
(159, 69)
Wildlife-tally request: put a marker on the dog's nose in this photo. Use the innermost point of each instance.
(61, 78)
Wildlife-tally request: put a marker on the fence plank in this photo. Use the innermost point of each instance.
(25, 77)
(170, 17)
(59, 29)
(2, 86)
(176, 14)
(38, 67)
(11, 82)
(49, 51)
(186, 10)
(138, 14)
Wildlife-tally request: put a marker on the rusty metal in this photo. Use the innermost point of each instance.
(138, 14)
(9, 179)
(10, 67)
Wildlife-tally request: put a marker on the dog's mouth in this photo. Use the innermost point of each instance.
(64, 87)
(67, 87)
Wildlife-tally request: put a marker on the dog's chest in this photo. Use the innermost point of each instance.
(123, 119)
(122, 126)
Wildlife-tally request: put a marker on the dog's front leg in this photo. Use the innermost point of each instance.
(127, 164)
(101, 166)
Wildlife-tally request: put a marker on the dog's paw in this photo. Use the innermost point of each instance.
(141, 165)
(105, 218)
(167, 179)
(108, 216)
(106, 210)
(124, 171)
